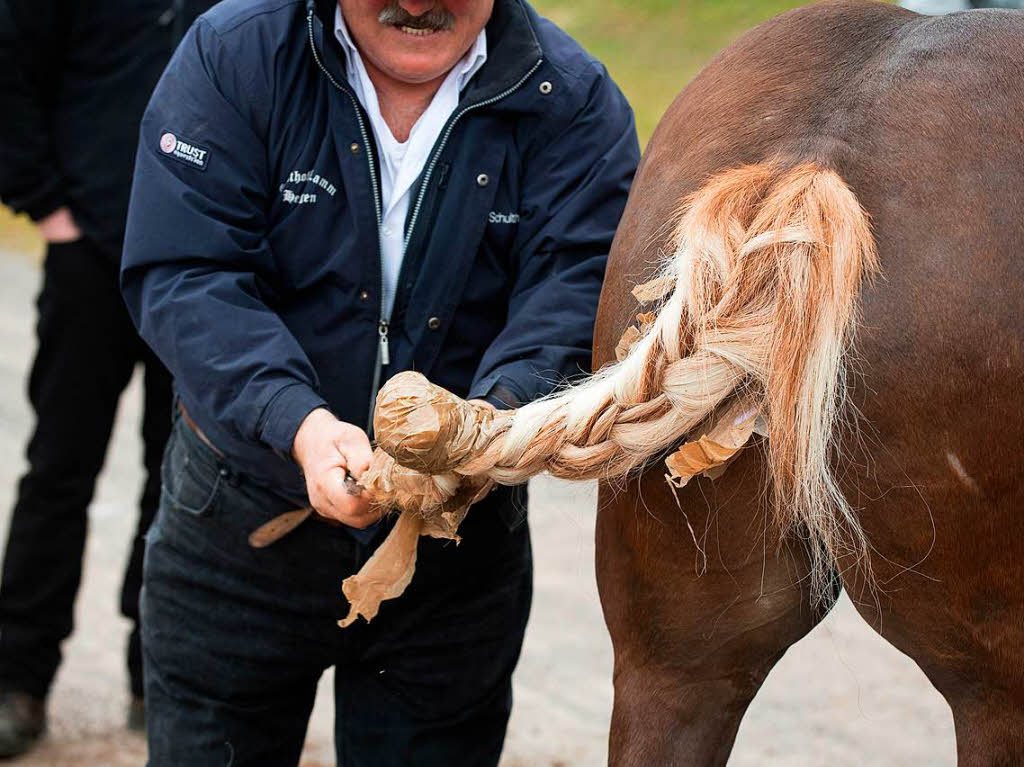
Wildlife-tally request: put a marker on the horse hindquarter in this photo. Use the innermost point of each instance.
(699, 599)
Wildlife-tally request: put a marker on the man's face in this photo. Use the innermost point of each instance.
(415, 41)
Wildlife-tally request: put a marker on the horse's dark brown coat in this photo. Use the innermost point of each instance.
(924, 119)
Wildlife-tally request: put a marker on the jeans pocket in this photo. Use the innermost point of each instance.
(188, 483)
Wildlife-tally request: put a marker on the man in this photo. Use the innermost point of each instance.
(74, 80)
(327, 194)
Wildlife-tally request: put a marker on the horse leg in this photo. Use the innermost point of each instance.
(697, 618)
(980, 681)
(947, 590)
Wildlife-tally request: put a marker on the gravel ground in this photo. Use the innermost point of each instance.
(841, 697)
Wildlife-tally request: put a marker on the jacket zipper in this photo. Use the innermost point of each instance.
(444, 140)
(383, 351)
(436, 155)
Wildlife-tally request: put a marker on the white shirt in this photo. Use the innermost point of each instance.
(402, 162)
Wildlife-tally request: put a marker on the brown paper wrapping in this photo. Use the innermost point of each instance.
(633, 334)
(627, 342)
(714, 445)
(655, 290)
(436, 431)
(427, 428)
(387, 573)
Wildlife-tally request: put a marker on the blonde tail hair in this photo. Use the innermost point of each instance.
(760, 297)
(793, 247)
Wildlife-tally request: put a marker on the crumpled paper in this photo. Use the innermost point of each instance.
(655, 289)
(427, 428)
(713, 445)
(388, 572)
(627, 342)
(634, 333)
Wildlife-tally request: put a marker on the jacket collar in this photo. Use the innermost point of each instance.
(513, 50)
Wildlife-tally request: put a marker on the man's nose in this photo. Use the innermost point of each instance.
(417, 7)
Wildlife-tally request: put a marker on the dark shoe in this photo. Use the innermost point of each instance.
(137, 714)
(22, 721)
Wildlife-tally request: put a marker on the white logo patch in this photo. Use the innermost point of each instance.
(187, 152)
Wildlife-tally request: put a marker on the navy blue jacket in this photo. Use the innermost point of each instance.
(252, 265)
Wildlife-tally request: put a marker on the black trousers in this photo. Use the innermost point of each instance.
(235, 638)
(88, 349)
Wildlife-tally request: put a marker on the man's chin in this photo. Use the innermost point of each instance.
(419, 67)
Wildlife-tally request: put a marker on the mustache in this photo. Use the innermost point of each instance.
(437, 19)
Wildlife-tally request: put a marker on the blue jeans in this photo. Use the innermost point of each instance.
(235, 638)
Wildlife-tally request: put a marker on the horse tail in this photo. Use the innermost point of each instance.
(757, 306)
(771, 261)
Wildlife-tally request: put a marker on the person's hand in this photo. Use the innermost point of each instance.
(482, 403)
(326, 449)
(59, 226)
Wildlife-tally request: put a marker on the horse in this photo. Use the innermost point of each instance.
(833, 212)
(923, 119)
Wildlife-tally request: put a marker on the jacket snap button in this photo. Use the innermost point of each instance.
(354, 147)
(483, 179)
(364, 295)
(434, 323)
(545, 87)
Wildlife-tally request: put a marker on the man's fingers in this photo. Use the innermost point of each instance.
(357, 454)
(353, 510)
(339, 495)
(333, 455)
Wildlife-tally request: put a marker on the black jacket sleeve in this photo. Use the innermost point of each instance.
(31, 45)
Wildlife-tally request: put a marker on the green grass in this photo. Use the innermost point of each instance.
(651, 47)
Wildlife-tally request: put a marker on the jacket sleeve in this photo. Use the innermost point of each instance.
(196, 258)
(31, 44)
(576, 188)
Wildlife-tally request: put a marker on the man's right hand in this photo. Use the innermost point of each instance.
(59, 226)
(328, 450)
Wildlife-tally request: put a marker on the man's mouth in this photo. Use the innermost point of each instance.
(417, 31)
(437, 19)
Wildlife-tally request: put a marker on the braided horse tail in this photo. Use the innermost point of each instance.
(760, 300)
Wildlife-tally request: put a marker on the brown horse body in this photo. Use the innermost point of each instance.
(924, 119)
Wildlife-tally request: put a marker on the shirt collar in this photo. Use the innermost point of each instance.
(465, 68)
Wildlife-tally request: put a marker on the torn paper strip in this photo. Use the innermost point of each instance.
(385, 574)
(655, 290)
(627, 342)
(711, 449)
